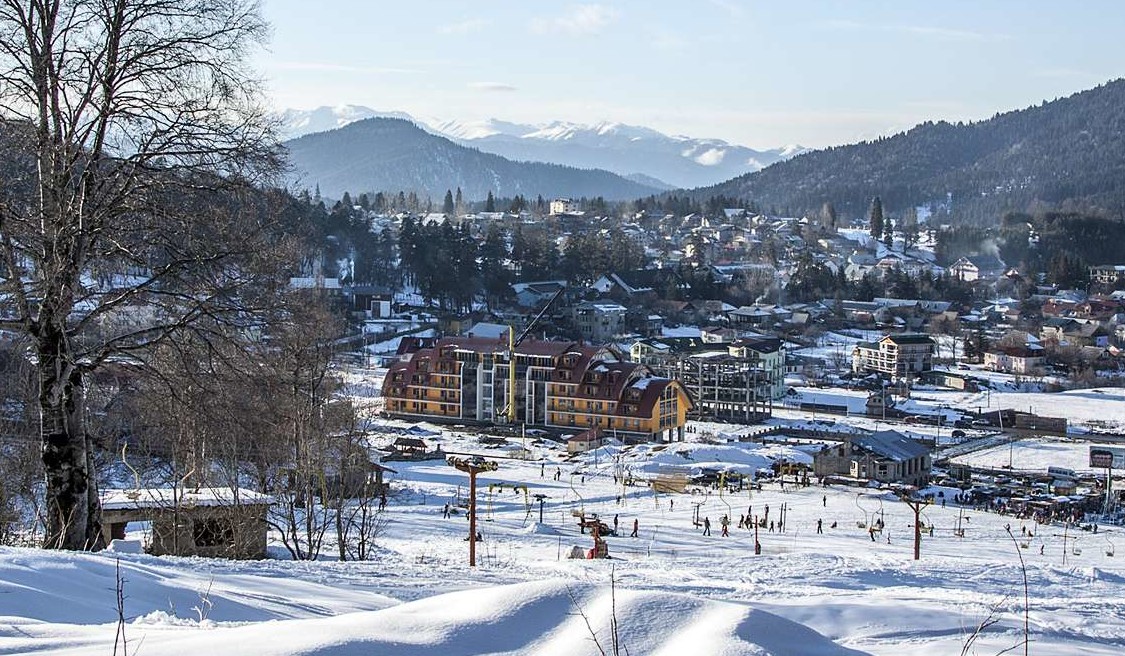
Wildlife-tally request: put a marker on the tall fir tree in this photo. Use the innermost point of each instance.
(875, 218)
(490, 203)
(888, 232)
(447, 206)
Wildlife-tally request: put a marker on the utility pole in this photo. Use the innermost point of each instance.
(473, 465)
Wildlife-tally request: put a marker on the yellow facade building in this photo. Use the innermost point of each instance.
(559, 385)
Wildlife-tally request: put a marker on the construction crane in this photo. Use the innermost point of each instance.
(508, 414)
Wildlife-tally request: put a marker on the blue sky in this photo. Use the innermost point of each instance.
(762, 74)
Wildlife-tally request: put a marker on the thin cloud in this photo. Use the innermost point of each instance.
(943, 33)
(465, 26)
(328, 67)
(579, 20)
(492, 87)
(1068, 74)
(733, 8)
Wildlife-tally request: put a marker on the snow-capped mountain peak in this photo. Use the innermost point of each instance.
(299, 122)
(678, 160)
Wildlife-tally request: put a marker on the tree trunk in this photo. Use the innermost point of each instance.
(72, 504)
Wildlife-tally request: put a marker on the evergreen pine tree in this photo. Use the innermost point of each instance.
(888, 232)
(875, 218)
(490, 203)
(447, 206)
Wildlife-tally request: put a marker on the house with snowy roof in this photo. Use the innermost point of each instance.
(210, 522)
(884, 456)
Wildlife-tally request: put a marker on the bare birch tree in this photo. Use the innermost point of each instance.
(130, 125)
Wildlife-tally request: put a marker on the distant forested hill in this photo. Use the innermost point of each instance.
(380, 154)
(1069, 153)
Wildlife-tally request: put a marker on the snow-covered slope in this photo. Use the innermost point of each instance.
(627, 150)
(675, 590)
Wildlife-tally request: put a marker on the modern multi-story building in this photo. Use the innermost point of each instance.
(902, 356)
(559, 385)
(1107, 274)
(598, 322)
(564, 206)
(736, 382)
(769, 354)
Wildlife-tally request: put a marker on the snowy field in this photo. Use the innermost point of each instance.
(1034, 455)
(674, 591)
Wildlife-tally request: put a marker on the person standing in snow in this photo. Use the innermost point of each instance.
(706, 526)
(636, 527)
(615, 524)
(820, 526)
(824, 500)
(725, 522)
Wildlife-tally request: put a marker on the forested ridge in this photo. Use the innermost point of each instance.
(1068, 154)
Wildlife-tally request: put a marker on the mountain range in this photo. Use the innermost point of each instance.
(1067, 153)
(393, 154)
(638, 153)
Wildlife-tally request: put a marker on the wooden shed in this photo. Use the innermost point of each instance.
(211, 522)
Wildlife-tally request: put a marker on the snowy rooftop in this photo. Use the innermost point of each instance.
(167, 498)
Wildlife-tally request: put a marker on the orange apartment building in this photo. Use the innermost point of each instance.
(559, 385)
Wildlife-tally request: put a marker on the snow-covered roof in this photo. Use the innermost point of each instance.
(891, 444)
(163, 497)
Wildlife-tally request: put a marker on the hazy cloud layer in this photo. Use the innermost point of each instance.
(491, 86)
(578, 20)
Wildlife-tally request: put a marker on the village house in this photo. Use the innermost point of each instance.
(587, 440)
(643, 283)
(977, 267)
(884, 456)
(902, 355)
(535, 294)
(1023, 360)
(564, 206)
(598, 322)
(209, 522)
(1107, 274)
(1070, 332)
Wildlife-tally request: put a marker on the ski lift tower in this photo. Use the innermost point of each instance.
(472, 465)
